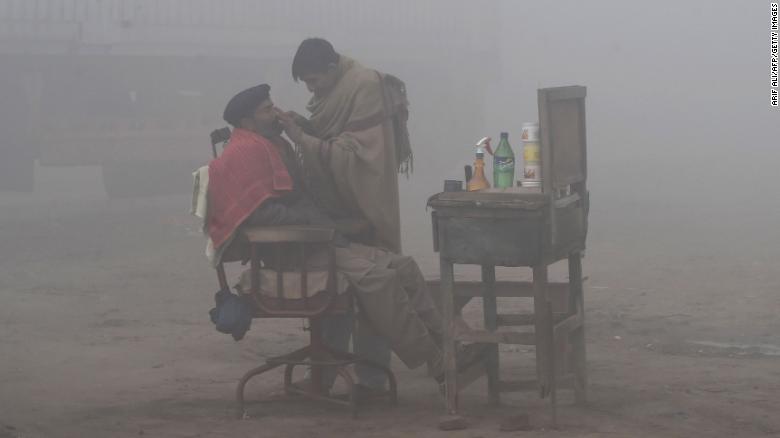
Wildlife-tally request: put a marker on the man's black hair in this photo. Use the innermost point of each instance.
(245, 103)
(313, 56)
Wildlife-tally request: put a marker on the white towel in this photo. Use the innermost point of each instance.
(200, 190)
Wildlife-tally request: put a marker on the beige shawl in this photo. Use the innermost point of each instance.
(362, 144)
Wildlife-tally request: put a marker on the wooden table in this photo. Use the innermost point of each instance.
(522, 228)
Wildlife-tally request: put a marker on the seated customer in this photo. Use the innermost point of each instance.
(255, 182)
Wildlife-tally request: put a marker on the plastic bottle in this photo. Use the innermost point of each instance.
(504, 164)
(478, 180)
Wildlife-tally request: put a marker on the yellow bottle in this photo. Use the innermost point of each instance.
(478, 180)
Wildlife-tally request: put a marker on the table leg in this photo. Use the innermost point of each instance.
(545, 341)
(450, 366)
(540, 327)
(489, 307)
(552, 365)
(576, 304)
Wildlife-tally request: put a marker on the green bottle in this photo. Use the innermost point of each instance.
(504, 164)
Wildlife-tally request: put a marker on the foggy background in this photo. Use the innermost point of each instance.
(682, 159)
(682, 142)
(679, 126)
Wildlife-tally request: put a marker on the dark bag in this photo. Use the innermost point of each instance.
(233, 314)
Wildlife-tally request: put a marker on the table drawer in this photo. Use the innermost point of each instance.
(514, 241)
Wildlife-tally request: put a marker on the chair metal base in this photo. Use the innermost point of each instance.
(309, 356)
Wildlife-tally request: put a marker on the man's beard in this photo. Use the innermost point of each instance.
(274, 130)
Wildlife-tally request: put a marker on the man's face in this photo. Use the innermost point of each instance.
(321, 83)
(264, 120)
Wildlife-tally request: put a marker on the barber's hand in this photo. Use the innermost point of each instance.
(292, 129)
(297, 118)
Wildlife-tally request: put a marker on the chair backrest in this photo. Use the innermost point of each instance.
(221, 135)
(563, 140)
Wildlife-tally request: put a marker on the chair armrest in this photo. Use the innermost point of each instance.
(289, 233)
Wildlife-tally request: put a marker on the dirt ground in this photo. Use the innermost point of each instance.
(104, 329)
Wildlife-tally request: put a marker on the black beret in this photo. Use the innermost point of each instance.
(245, 103)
